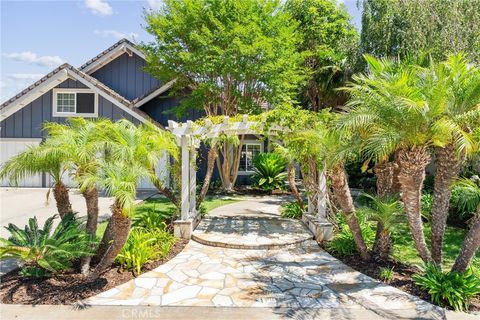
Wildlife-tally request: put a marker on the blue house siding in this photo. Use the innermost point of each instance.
(125, 75)
(160, 109)
(28, 121)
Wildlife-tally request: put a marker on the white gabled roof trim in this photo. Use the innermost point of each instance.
(110, 56)
(155, 93)
(43, 88)
(75, 76)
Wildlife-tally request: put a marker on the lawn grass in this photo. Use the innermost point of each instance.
(163, 205)
(404, 249)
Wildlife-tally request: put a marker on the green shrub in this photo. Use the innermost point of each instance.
(269, 171)
(144, 246)
(153, 219)
(427, 204)
(386, 274)
(44, 252)
(343, 242)
(449, 288)
(465, 197)
(291, 210)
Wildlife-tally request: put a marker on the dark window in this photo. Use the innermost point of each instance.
(249, 151)
(85, 102)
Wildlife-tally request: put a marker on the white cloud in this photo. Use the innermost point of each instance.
(25, 76)
(100, 7)
(155, 4)
(11, 84)
(32, 58)
(116, 34)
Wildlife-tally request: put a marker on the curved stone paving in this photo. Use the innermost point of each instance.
(250, 232)
(301, 278)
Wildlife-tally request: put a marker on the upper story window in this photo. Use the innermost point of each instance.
(75, 103)
(249, 151)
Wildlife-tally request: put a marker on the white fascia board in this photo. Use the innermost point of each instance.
(36, 92)
(110, 56)
(155, 93)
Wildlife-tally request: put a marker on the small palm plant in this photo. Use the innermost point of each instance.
(388, 212)
(44, 252)
(269, 171)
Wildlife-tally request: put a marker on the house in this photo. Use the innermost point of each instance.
(112, 85)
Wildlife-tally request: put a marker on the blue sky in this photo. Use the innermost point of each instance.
(37, 35)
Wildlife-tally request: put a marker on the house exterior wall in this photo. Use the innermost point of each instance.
(160, 109)
(27, 122)
(125, 76)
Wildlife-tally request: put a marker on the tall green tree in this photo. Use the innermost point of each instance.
(232, 56)
(398, 28)
(329, 47)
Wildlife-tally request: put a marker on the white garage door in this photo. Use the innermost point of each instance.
(11, 147)
(162, 173)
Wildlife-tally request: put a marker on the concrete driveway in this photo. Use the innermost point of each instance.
(17, 205)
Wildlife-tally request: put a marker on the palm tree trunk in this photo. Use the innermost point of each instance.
(91, 200)
(447, 168)
(62, 199)
(413, 162)
(212, 156)
(293, 186)
(344, 198)
(470, 245)
(113, 240)
(385, 173)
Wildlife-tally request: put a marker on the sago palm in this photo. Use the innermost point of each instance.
(43, 158)
(453, 89)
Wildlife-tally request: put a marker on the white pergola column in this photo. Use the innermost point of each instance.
(322, 194)
(193, 180)
(185, 208)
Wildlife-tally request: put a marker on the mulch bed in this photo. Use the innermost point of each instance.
(402, 275)
(69, 288)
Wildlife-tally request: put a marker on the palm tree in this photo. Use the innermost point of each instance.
(82, 143)
(471, 199)
(288, 155)
(41, 159)
(386, 211)
(131, 154)
(456, 85)
(389, 111)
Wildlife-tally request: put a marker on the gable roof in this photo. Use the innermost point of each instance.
(57, 76)
(163, 87)
(110, 54)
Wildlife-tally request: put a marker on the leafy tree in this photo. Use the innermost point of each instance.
(41, 159)
(397, 28)
(233, 56)
(329, 48)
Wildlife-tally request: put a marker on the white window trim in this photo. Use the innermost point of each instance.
(250, 142)
(55, 113)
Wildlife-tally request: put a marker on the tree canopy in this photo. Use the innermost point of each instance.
(233, 56)
(329, 48)
(412, 28)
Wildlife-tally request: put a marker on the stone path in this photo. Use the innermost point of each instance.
(299, 278)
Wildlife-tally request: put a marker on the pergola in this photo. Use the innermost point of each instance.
(189, 135)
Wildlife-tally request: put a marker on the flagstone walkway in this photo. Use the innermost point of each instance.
(299, 277)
